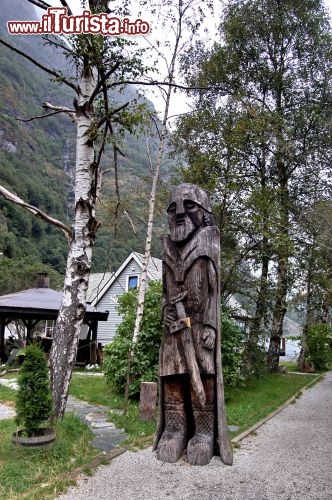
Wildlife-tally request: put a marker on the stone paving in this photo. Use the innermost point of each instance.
(106, 435)
(6, 412)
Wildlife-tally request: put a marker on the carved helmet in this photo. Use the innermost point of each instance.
(189, 192)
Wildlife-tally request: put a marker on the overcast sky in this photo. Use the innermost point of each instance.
(178, 101)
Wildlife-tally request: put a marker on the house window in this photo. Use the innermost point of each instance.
(132, 282)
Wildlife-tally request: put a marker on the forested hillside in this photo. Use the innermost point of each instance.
(37, 159)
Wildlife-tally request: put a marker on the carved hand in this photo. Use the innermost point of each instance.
(208, 337)
(170, 315)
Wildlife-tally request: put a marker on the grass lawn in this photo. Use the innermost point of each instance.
(36, 474)
(95, 390)
(291, 366)
(250, 404)
(44, 474)
(245, 406)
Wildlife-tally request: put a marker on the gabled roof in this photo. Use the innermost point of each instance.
(99, 283)
(154, 266)
(39, 302)
(237, 310)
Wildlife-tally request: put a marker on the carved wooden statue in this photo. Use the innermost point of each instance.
(192, 410)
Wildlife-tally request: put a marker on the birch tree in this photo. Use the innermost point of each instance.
(102, 64)
(180, 19)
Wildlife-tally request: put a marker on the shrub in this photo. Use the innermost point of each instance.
(34, 398)
(254, 357)
(231, 339)
(144, 363)
(319, 341)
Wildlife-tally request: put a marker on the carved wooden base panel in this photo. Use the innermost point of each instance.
(174, 438)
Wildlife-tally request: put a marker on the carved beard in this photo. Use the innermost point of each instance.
(181, 230)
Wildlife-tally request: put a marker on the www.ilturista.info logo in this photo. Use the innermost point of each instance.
(57, 22)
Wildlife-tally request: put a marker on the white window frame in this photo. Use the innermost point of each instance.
(132, 275)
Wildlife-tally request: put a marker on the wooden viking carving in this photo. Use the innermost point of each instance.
(192, 410)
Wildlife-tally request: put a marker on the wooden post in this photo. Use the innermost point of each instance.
(147, 401)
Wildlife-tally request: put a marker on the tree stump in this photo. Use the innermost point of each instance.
(147, 401)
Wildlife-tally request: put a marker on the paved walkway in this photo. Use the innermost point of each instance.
(290, 458)
(6, 412)
(106, 435)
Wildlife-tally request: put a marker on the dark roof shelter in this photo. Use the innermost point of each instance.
(38, 304)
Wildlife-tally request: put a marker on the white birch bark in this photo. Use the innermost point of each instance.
(147, 251)
(163, 135)
(73, 305)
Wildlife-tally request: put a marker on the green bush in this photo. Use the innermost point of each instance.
(319, 342)
(34, 398)
(254, 358)
(231, 339)
(144, 363)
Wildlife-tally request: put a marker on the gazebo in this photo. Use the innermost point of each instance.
(38, 304)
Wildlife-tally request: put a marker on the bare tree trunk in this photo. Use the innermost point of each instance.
(261, 307)
(162, 140)
(279, 312)
(324, 316)
(280, 306)
(309, 308)
(73, 306)
(148, 241)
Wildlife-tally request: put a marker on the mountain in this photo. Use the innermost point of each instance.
(37, 159)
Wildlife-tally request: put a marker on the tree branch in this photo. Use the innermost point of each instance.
(103, 80)
(167, 84)
(40, 3)
(44, 68)
(59, 109)
(53, 41)
(69, 11)
(35, 211)
(38, 117)
(107, 116)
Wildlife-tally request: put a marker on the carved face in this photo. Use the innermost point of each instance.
(184, 217)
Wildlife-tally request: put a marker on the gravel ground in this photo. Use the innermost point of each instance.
(289, 459)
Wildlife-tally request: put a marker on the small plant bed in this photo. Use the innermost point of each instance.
(34, 403)
(36, 474)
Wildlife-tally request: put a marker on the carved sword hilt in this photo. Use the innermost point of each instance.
(183, 321)
(183, 325)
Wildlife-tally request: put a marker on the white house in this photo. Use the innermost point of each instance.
(105, 288)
